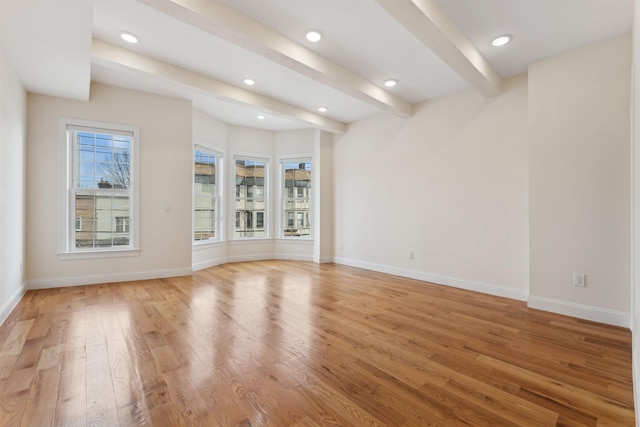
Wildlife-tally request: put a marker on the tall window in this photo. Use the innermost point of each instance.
(101, 213)
(205, 195)
(251, 179)
(296, 196)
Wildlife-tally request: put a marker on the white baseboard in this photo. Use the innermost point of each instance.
(252, 257)
(209, 263)
(454, 282)
(323, 260)
(12, 302)
(635, 369)
(293, 257)
(596, 314)
(59, 282)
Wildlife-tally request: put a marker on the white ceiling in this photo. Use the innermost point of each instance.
(202, 50)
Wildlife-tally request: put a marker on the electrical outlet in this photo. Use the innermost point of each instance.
(410, 254)
(579, 279)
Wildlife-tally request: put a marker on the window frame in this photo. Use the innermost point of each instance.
(285, 195)
(238, 195)
(219, 232)
(67, 208)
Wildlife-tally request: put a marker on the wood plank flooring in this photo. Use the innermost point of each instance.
(280, 343)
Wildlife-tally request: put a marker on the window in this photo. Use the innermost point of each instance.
(206, 197)
(251, 179)
(101, 187)
(259, 219)
(122, 224)
(296, 196)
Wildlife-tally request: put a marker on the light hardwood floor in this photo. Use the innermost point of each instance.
(279, 343)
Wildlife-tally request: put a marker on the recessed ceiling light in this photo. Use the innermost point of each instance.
(323, 109)
(314, 35)
(249, 82)
(501, 40)
(129, 38)
(260, 117)
(391, 82)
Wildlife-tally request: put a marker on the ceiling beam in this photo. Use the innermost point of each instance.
(428, 22)
(228, 24)
(111, 56)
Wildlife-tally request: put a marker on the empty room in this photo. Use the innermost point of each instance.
(319, 212)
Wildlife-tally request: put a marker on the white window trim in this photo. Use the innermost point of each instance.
(280, 219)
(220, 205)
(66, 221)
(266, 196)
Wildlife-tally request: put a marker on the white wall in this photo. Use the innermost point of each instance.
(13, 140)
(580, 191)
(324, 245)
(449, 184)
(635, 208)
(165, 186)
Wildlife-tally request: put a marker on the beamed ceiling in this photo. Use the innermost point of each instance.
(202, 50)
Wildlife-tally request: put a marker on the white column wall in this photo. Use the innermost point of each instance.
(580, 181)
(13, 141)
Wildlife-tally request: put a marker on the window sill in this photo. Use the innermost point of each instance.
(113, 253)
(297, 240)
(250, 240)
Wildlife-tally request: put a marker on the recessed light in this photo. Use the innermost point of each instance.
(260, 117)
(314, 35)
(129, 38)
(501, 40)
(391, 82)
(323, 109)
(249, 82)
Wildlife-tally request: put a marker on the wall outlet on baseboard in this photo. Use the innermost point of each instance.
(579, 279)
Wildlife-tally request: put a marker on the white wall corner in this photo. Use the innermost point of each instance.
(596, 314)
(486, 288)
(12, 302)
(59, 282)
